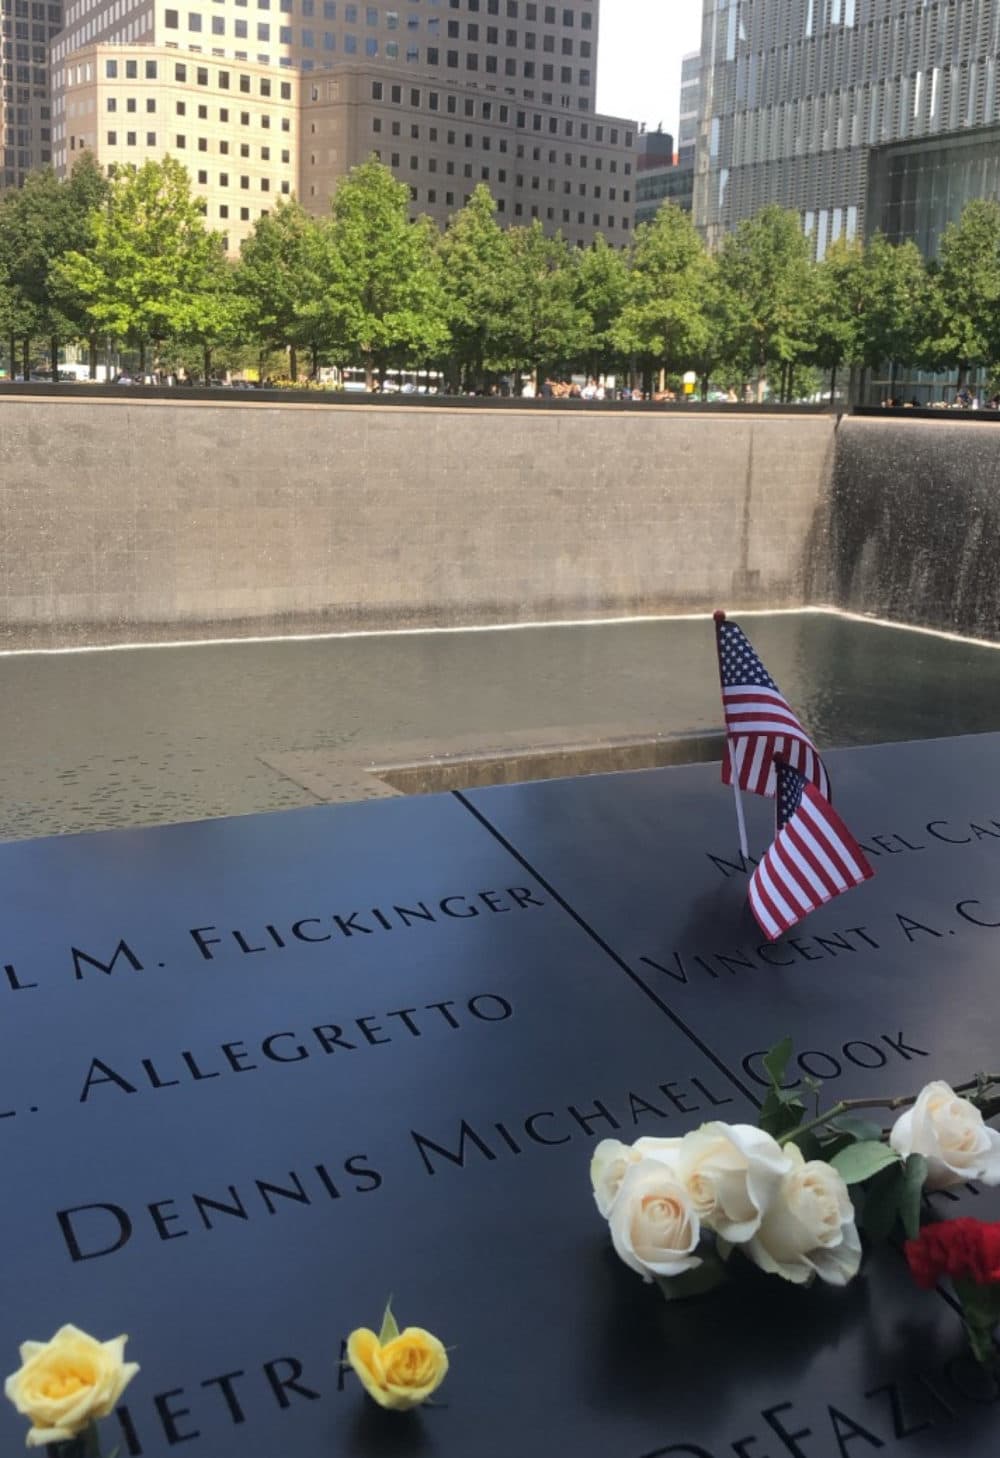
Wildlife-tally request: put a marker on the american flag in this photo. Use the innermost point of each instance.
(759, 720)
(813, 859)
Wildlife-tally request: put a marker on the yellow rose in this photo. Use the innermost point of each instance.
(400, 1373)
(64, 1383)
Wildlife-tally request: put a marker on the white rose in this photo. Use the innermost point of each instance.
(731, 1172)
(808, 1230)
(949, 1132)
(654, 1226)
(607, 1170)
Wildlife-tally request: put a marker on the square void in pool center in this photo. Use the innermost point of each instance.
(162, 734)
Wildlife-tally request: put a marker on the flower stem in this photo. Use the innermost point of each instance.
(91, 1441)
(846, 1106)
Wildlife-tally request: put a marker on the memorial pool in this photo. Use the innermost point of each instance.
(152, 735)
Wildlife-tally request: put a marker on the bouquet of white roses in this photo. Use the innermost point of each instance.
(791, 1193)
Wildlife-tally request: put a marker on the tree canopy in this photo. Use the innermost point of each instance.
(129, 259)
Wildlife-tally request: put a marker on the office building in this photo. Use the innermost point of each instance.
(447, 94)
(26, 30)
(687, 131)
(658, 177)
(796, 94)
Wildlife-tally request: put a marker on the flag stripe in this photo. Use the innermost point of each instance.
(813, 857)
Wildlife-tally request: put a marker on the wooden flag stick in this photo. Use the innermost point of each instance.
(718, 618)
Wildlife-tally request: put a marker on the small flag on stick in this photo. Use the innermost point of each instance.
(760, 723)
(813, 859)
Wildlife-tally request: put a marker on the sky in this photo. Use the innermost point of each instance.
(639, 58)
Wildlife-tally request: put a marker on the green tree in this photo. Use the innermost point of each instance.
(477, 281)
(966, 329)
(144, 274)
(380, 281)
(602, 284)
(544, 326)
(278, 280)
(39, 224)
(663, 321)
(838, 305)
(767, 276)
(893, 320)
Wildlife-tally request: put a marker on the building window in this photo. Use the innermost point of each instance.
(181, 108)
(111, 67)
(244, 215)
(112, 104)
(194, 20)
(112, 139)
(223, 179)
(223, 210)
(203, 178)
(150, 103)
(180, 72)
(244, 183)
(180, 142)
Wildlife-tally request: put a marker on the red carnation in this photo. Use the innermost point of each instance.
(968, 1252)
(968, 1249)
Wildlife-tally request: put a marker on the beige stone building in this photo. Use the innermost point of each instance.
(571, 170)
(234, 127)
(269, 98)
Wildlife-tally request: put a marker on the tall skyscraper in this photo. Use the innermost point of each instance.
(797, 93)
(264, 98)
(26, 29)
(687, 132)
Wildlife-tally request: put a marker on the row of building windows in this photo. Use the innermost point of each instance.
(199, 75)
(525, 210)
(486, 145)
(490, 110)
(486, 175)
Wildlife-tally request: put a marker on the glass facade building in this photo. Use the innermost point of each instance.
(797, 93)
(915, 189)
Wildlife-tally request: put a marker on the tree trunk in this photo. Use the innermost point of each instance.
(293, 362)
(12, 356)
(207, 362)
(92, 355)
(314, 354)
(833, 385)
(142, 360)
(369, 373)
(25, 359)
(893, 371)
(54, 360)
(705, 381)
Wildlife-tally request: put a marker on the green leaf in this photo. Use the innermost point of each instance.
(880, 1203)
(776, 1061)
(781, 1113)
(914, 1176)
(860, 1130)
(861, 1161)
(389, 1331)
